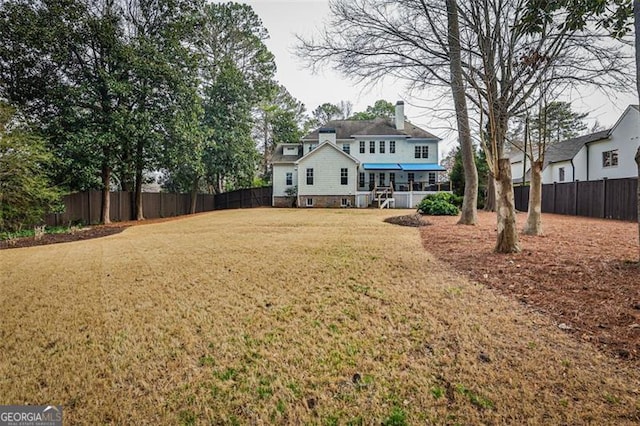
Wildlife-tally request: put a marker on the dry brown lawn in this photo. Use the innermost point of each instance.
(287, 317)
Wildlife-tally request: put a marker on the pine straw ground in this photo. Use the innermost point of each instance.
(582, 272)
(287, 317)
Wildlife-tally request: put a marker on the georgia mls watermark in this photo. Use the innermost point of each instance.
(30, 415)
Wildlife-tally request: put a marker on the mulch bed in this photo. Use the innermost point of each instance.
(582, 272)
(80, 234)
(413, 220)
(85, 233)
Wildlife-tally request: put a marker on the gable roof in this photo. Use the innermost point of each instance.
(347, 129)
(279, 157)
(566, 150)
(322, 146)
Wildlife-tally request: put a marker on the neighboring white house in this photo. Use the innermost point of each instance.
(357, 163)
(520, 167)
(606, 154)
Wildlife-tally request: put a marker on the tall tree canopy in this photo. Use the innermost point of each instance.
(380, 109)
(119, 88)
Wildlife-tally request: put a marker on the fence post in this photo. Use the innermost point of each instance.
(554, 197)
(575, 198)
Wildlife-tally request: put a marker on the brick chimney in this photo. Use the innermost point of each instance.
(400, 115)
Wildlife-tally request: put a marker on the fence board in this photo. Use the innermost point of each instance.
(86, 207)
(609, 198)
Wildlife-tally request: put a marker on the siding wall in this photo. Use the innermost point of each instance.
(405, 150)
(280, 178)
(626, 139)
(326, 163)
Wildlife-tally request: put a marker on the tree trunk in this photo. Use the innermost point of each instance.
(194, 195)
(469, 214)
(534, 213)
(105, 215)
(636, 17)
(507, 241)
(490, 196)
(638, 163)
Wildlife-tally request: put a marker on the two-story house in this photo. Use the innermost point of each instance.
(358, 163)
(608, 154)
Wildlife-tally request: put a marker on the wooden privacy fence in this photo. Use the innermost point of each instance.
(85, 207)
(245, 198)
(608, 198)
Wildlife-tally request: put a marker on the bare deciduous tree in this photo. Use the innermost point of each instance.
(469, 213)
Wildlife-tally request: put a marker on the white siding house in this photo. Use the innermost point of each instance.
(357, 162)
(606, 154)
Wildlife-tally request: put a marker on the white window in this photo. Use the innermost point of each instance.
(346, 148)
(344, 202)
(382, 147)
(381, 179)
(610, 158)
(421, 151)
(561, 174)
(289, 179)
(392, 147)
(309, 202)
(361, 180)
(372, 147)
(312, 147)
(432, 178)
(361, 147)
(344, 176)
(309, 176)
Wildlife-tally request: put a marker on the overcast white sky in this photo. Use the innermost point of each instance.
(285, 18)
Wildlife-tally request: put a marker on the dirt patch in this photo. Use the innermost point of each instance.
(414, 220)
(582, 272)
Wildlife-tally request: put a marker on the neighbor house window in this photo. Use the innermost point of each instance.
(361, 147)
(344, 176)
(382, 147)
(372, 147)
(361, 180)
(381, 177)
(309, 202)
(561, 174)
(346, 148)
(289, 178)
(309, 176)
(392, 147)
(610, 158)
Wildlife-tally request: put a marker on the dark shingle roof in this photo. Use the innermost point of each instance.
(568, 149)
(279, 157)
(345, 129)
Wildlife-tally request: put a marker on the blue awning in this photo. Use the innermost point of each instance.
(381, 166)
(408, 167)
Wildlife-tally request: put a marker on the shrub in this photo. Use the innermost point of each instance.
(440, 204)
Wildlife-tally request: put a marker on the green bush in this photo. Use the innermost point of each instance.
(440, 204)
